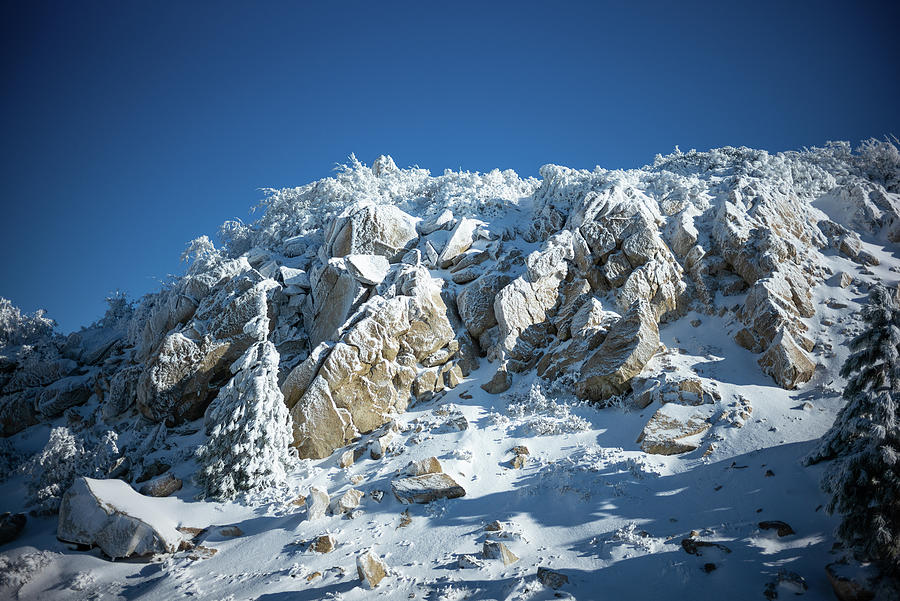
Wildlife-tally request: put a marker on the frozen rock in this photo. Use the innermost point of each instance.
(113, 516)
(786, 362)
(347, 502)
(429, 465)
(295, 277)
(335, 293)
(469, 562)
(368, 269)
(162, 486)
(370, 568)
(674, 429)
(497, 550)
(476, 302)
(324, 544)
(628, 346)
(11, 526)
(444, 221)
(16, 413)
(368, 229)
(460, 241)
(499, 382)
(381, 445)
(62, 394)
(427, 488)
(316, 504)
(551, 578)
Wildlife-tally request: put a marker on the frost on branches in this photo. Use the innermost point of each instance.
(864, 481)
(248, 448)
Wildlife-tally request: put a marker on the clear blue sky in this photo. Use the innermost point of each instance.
(132, 127)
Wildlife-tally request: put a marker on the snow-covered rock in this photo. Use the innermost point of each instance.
(426, 488)
(369, 229)
(368, 269)
(113, 516)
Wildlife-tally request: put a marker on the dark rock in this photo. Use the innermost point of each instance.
(11, 526)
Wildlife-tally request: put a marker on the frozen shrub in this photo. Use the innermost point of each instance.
(248, 448)
(65, 457)
(16, 573)
(542, 415)
(19, 328)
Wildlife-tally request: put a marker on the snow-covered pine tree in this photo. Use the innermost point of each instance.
(248, 450)
(864, 480)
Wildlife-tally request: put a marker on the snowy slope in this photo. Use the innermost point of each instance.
(589, 501)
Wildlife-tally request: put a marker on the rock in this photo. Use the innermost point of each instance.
(500, 382)
(476, 303)
(792, 581)
(62, 394)
(347, 458)
(469, 562)
(453, 376)
(674, 429)
(16, 413)
(852, 583)
(786, 362)
(519, 462)
(368, 229)
(162, 486)
(294, 277)
(368, 269)
(628, 346)
(495, 526)
(460, 241)
(497, 550)
(316, 504)
(370, 568)
(781, 528)
(335, 294)
(427, 488)
(347, 502)
(113, 516)
(324, 544)
(429, 465)
(692, 546)
(444, 221)
(550, 578)
(519, 450)
(380, 446)
(298, 380)
(11, 526)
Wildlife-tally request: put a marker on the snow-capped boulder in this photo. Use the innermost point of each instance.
(113, 516)
(62, 394)
(370, 568)
(460, 241)
(368, 229)
(476, 302)
(369, 373)
(368, 269)
(426, 488)
(786, 362)
(675, 429)
(444, 221)
(628, 346)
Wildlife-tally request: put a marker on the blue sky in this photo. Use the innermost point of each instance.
(132, 127)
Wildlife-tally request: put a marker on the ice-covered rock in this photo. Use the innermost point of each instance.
(426, 488)
(369, 229)
(113, 516)
(316, 504)
(368, 269)
(628, 346)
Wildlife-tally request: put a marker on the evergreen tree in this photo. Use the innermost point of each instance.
(864, 480)
(248, 448)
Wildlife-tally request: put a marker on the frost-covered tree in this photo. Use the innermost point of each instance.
(65, 457)
(22, 328)
(864, 480)
(248, 448)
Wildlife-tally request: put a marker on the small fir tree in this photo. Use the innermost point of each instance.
(248, 450)
(864, 480)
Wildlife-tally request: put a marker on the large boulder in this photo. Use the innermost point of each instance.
(675, 429)
(16, 413)
(627, 348)
(335, 294)
(184, 374)
(355, 385)
(113, 516)
(786, 362)
(476, 302)
(62, 394)
(368, 229)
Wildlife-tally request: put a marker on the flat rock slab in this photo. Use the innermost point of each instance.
(675, 429)
(116, 518)
(427, 488)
